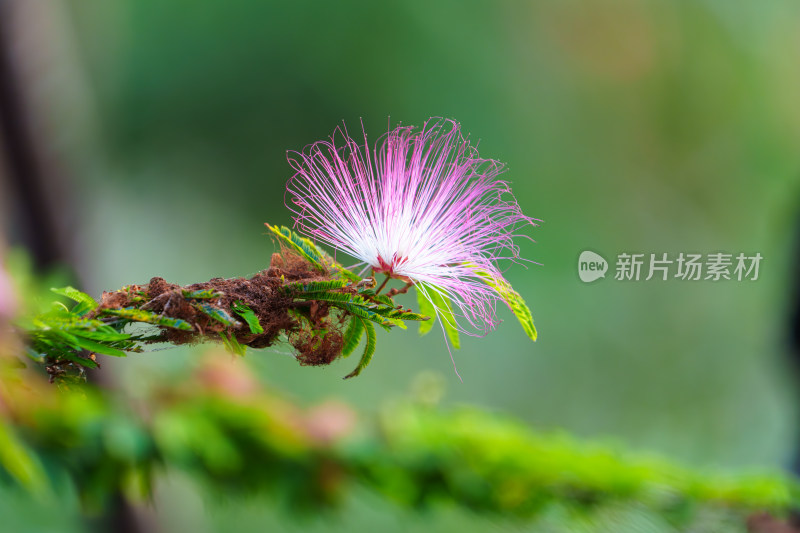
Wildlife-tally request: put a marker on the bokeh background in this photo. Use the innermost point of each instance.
(627, 126)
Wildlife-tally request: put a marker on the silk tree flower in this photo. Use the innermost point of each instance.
(422, 206)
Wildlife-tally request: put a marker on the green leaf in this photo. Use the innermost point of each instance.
(348, 302)
(204, 294)
(300, 245)
(85, 302)
(443, 310)
(513, 300)
(309, 251)
(220, 315)
(75, 295)
(369, 350)
(357, 305)
(378, 298)
(105, 335)
(352, 336)
(241, 309)
(385, 315)
(140, 315)
(335, 297)
(386, 323)
(346, 274)
(426, 308)
(134, 296)
(232, 344)
(34, 355)
(314, 286)
(403, 314)
(522, 312)
(75, 358)
(65, 337)
(98, 347)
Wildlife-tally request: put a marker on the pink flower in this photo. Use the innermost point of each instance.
(423, 207)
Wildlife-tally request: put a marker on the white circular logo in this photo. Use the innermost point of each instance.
(591, 266)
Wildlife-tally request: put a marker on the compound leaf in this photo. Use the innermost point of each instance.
(85, 302)
(369, 350)
(300, 245)
(248, 316)
(514, 301)
(352, 336)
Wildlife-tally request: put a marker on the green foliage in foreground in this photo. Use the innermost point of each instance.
(240, 440)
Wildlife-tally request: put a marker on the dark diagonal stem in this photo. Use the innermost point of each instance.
(379, 289)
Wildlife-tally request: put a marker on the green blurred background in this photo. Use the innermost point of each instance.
(627, 126)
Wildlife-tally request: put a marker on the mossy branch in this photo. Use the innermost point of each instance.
(305, 298)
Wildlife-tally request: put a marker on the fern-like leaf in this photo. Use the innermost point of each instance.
(386, 316)
(202, 294)
(140, 315)
(363, 312)
(513, 300)
(404, 314)
(247, 314)
(105, 334)
(217, 314)
(75, 358)
(352, 336)
(233, 345)
(300, 245)
(369, 350)
(98, 347)
(346, 274)
(309, 251)
(379, 298)
(522, 312)
(85, 302)
(75, 295)
(314, 286)
(334, 297)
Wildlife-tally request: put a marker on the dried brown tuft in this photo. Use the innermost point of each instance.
(316, 351)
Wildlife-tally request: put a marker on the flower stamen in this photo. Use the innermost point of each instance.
(421, 206)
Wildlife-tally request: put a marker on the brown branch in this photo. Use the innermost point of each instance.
(385, 281)
(394, 292)
(206, 311)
